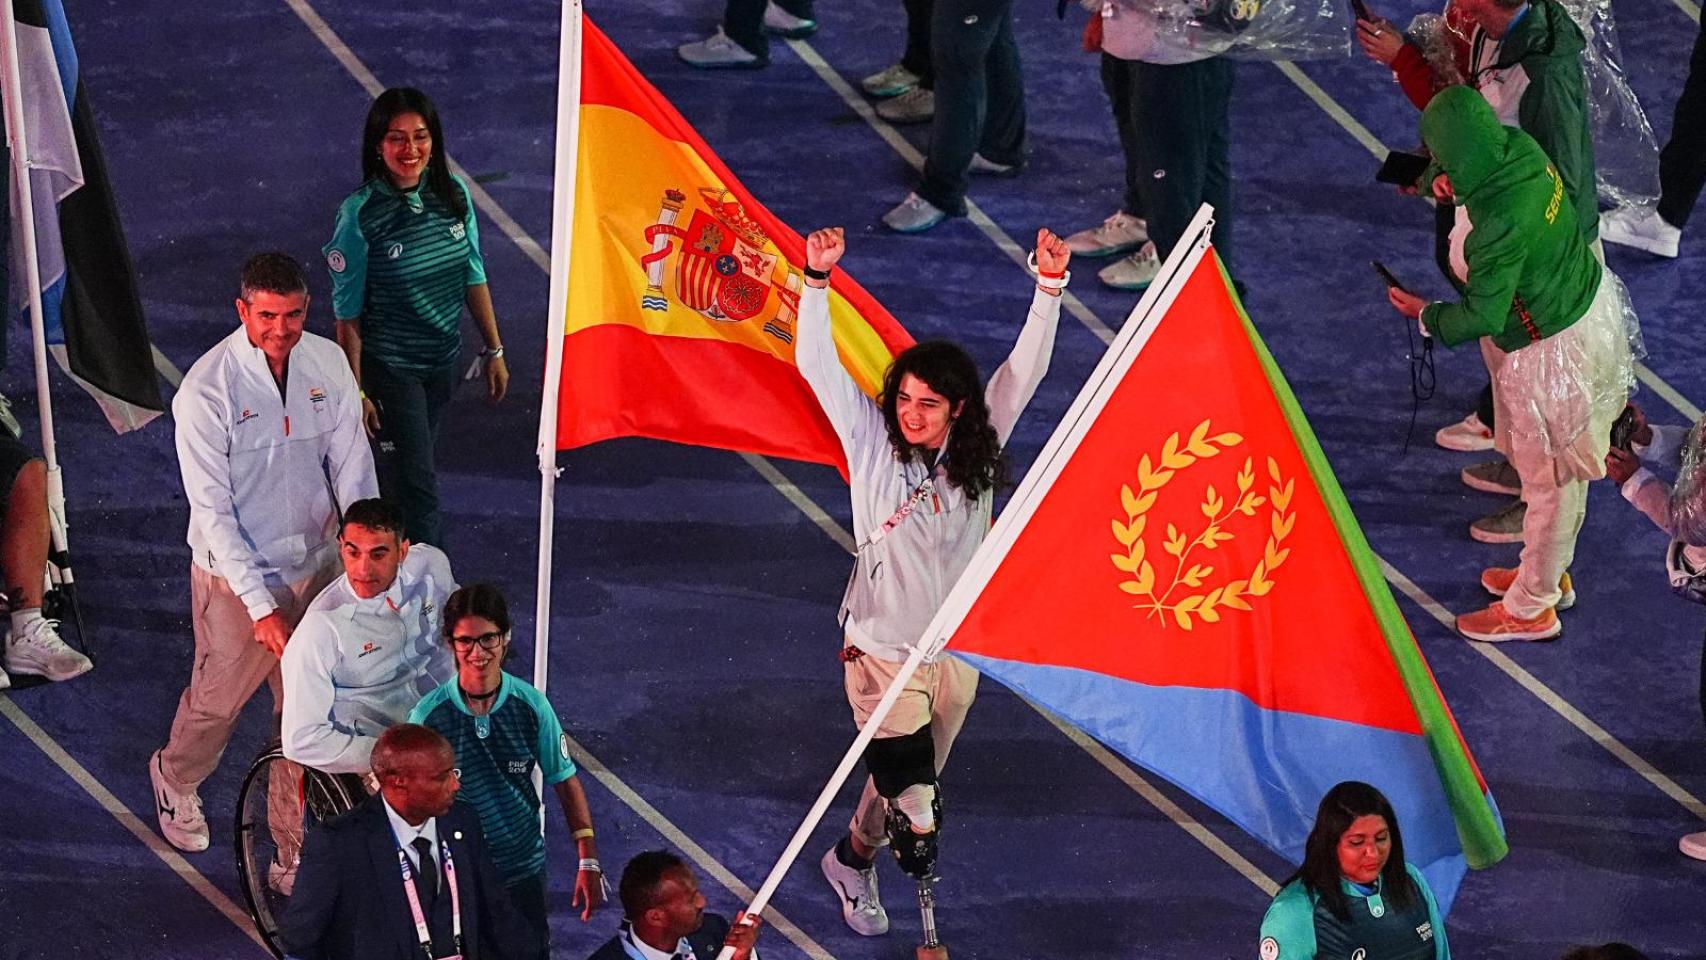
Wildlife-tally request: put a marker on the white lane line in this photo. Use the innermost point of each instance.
(1528, 681)
(1362, 135)
(164, 366)
(334, 44)
(674, 834)
(1550, 698)
(116, 808)
(801, 502)
(1689, 8)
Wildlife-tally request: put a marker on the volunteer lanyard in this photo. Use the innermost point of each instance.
(421, 929)
(925, 488)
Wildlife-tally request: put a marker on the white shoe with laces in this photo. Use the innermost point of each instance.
(784, 24)
(717, 51)
(181, 820)
(37, 649)
(860, 905)
(1117, 234)
(1468, 435)
(1641, 228)
(917, 105)
(913, 215)
(891, 81)
(1134, 272)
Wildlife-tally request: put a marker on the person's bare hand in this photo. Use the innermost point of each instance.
(1052, 254)
(370, 416)
(497, 379)
(272, 632)
(589, 893)
(824, 248)
(743, 935)
(1380, 40)
(1642, 433)
(1620, 465)
(1442, 189)
(1405, 302)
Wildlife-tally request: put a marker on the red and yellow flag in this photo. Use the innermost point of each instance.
(684, 290)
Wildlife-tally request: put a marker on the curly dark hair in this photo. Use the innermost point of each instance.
(390, 105)
(974, 460)
(1320, 871)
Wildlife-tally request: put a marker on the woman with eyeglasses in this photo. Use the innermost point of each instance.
(502, 727)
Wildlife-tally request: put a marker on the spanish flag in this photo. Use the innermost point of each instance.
(683, 289)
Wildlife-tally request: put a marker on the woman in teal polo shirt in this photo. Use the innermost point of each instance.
(405, 260)
(1354, 896)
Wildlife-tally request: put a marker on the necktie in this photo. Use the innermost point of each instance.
(426, 877)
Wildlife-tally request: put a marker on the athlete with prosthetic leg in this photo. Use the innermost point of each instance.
(923, 463)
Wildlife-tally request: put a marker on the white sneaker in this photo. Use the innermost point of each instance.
(1134, 272)
(913, 215)
(982, 166)
(5, 681)
(1693, 845)
(784, 24)
(917, 105)
(860, 906)
(37, 649)
(282, 878)
(718, 51)
(1117, 234)
(1467, 435)
(890, 81)
(1641, 228)
(181, 821)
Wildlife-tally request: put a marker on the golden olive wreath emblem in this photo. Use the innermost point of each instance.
(1183, 597)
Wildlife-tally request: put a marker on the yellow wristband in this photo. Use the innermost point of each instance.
(584, 833)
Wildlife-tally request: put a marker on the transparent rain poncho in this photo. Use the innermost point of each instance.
(1239, 29)
(1626, 154)
(1688, 495)
(1564, 392)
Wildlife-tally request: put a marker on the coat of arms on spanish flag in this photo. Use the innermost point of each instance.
(683, 289)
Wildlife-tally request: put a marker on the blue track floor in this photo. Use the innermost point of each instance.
(693, 632)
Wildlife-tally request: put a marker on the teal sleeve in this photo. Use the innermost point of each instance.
(424, 707)
(346, 259)
(1442, 950)
(552, 750)
(1288, 928)
(476, 260)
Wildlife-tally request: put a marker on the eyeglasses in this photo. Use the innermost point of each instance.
(487, 641)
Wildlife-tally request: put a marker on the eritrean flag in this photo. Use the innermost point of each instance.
(1180, 576)
(683, 290)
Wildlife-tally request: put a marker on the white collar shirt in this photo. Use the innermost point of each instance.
(406, 834)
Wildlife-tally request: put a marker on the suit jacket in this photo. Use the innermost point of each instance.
(348, 903)
(707, 941)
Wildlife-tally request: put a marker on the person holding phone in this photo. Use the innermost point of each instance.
(1551, 323)
(1526, 59)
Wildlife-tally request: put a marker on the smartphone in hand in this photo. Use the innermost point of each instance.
(1387, 276)
(1361, 11)
(1402, 169)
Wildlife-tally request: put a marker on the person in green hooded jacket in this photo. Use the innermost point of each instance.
(1550, 320)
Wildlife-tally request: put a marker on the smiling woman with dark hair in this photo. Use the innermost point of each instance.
(405, 260)
(1354, 893)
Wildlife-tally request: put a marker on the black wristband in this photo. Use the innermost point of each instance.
(814, 274)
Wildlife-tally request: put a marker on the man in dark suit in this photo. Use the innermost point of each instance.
(665, 918)
(407, 858)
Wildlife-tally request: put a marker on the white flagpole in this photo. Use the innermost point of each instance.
(1118, 358)
(12, 82)
(562, 232)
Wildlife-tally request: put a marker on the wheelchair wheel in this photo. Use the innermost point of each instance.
(277, 798)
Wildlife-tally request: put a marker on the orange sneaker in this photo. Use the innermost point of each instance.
(1495, 625)
(1498, 582)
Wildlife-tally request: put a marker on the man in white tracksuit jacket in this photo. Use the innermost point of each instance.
(368, 648)
(269, 442)
(923, 468)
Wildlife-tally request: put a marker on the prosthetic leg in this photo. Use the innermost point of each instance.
(904, 771)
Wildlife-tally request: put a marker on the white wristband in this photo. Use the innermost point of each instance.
(1047, 283)
(589, 863)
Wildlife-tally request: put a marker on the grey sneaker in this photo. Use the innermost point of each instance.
(181, 820)
(781, 23)
(917, 105)
(1503, 526)
(890, 82)
(718, 52)
(857, 889)
(1134, 272)
(913, 215)
(984, 167)
(1117, 234)
(1494, 476)
(37, 649)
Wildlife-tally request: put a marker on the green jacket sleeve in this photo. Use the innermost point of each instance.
(1288, 928)
(1495, 253)
(552, 750)
(476, 260)
(1442, 951)
(346, 258)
